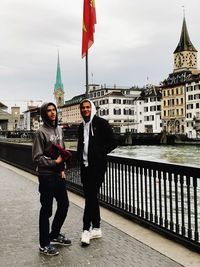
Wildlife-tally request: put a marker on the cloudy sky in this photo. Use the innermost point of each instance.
(134, 44)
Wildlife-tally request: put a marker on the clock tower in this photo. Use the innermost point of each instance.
(58, 87)
(185, 55)
(175, 111)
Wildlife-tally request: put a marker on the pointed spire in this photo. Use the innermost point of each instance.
(58, 84)
(184, 43)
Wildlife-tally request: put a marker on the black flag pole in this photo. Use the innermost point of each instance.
(86, 72)
(88, 29)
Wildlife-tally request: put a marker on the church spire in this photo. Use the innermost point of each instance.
(58, 84)
(58, 87)
(184, 43)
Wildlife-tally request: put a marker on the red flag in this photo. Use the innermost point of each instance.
(89, 21)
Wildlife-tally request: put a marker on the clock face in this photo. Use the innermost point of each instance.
(179, 60)
(191, 59)
(59, 94)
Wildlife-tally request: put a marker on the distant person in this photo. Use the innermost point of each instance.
(52, 182)
(95, 141)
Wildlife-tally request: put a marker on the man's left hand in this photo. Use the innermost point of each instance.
(63, 176)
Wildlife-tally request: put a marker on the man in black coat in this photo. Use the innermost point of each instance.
(95, 141)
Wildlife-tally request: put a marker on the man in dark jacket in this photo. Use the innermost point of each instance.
(51, 181)
(95, 141)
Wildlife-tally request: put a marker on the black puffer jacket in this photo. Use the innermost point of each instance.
(101, 142)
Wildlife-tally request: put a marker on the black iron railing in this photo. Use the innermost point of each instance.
(163, 197)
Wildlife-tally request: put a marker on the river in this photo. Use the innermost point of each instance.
(187, 155)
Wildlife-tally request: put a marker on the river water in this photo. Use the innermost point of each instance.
(188, 155)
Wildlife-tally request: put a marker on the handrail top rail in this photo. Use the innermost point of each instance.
(160, 166)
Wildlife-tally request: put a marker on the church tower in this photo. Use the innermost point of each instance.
(185, 54)
(58, 87)
(176, 113)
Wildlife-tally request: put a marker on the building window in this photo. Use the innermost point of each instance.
(117, 111)
(126, 112)
(116, 101)
(197, 86)
(152, 117)
(189, 115)
(197, 96)
(151, 108)
(159, 108)
(190, 106)
(104, 112)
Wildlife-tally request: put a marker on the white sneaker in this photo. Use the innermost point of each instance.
(85, 238)
(95, 233)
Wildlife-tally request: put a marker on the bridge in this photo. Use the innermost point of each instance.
(124, 242)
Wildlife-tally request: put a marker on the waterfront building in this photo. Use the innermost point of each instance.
(32, 119)
(132, 109)
(10, 122)
(116, 105)
(71, 111)
(174, 104)
(138, 115)
(193, 107)
(5, 118)
(151, 111)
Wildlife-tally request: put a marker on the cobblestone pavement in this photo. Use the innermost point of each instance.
(19, 209)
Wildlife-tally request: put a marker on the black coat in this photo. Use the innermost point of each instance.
(101, 143)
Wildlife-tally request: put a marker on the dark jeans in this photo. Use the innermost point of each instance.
(91, 188)
(51, 186)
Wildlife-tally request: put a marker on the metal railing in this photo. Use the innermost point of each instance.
(164, 197)
(160, 196)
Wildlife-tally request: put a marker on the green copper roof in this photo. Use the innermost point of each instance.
(58, 84)
(184, 44)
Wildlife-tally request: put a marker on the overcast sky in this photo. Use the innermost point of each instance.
(133, 40)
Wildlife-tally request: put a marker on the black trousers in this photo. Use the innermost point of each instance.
(50, 187)
(91, 186)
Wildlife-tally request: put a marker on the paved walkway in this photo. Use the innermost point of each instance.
(19, 208)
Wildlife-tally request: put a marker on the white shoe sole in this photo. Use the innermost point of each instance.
(96, 237)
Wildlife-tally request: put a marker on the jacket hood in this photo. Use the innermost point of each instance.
(93, 110)
(43, 113)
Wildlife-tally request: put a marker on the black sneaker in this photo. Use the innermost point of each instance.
(61, 240)
(49, 250)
